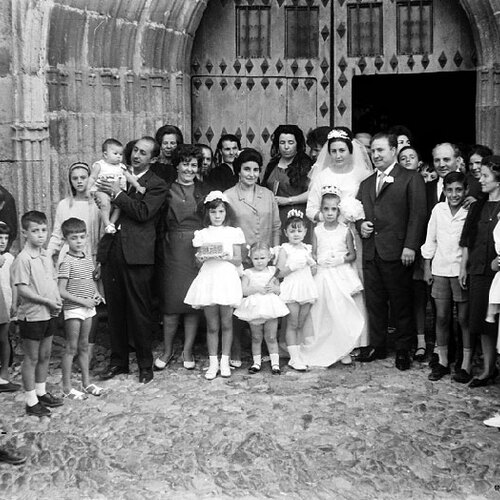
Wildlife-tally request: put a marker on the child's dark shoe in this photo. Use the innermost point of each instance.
(38, 410)
(50, 401)
(255, 368)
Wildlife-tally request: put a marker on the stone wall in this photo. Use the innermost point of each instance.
(73, 72)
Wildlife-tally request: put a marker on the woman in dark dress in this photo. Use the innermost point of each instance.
(178, 265)
(286, 173)
(168, 137)
(478, 255)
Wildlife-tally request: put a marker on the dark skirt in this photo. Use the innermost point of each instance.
(179, 269)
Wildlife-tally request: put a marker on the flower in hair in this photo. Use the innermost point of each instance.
(330, 190)
(294, 213)
(216, 195)
(338, 134)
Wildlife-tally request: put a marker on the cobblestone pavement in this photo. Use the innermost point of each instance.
(348, 432)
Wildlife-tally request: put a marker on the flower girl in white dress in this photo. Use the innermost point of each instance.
(337, 321)
(217, 288)
(298, 289)
(262, 306)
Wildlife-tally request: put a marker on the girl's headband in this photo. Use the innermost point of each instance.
(294, 213)
(79, 164)
(215, 195)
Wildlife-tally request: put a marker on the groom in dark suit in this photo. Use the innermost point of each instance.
(128, 263)
(395, 213)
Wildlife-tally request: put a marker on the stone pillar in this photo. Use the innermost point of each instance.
(30, 137)
(488, 107)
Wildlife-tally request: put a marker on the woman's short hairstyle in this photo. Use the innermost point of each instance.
(169, 129)
(5, 228)
(493, 163)
(482, 151)
(398, 130)
(248, 154)
(185, 152)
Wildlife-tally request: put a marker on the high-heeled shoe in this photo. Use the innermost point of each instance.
(160, 365)
(188, 365)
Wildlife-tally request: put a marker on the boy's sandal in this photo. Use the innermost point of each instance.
(74, 394)
(255, 368)
(419, 354)
(235, 363)
(93, 389)
(275, 370)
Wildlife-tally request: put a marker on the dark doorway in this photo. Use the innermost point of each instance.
(436, 107)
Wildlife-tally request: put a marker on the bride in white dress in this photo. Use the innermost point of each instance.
(342, 163)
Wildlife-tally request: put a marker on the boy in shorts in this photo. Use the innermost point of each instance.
(39, 306)
(80, 296)
(443, 255)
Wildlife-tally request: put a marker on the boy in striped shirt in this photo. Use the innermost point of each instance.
(80, 296)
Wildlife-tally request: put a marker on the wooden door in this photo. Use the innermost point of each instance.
(258, 64)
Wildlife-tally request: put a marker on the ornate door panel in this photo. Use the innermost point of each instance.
(391, 37)
(257, 64)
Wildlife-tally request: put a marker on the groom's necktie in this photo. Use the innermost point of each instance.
(380, 182)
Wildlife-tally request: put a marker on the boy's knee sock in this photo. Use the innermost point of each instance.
(40, 388)
(30, 398)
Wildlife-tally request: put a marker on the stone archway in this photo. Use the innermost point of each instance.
(152, 42)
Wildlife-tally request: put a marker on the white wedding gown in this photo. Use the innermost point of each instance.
(348, 184)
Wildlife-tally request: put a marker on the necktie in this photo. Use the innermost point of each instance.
(380, 182)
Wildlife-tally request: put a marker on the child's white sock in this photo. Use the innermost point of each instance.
(420, 341)
(213, 368)
(3, 381)
(40, 388)
(225, 369)
(443, 355)
(30, 398)
(275, 359)
(467, 360)
(293, 350)
(257, 359)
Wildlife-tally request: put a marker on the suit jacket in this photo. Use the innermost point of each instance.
(138, 221)
(398, 214)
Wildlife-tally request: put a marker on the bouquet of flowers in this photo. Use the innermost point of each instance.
(351, 209)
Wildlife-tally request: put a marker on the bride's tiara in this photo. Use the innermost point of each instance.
(339, 134)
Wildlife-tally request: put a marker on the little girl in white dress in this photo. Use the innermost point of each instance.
(298, 289)
(262, 306)
(336, 317)
(217, 288)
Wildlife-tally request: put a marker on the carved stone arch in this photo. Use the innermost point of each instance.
(484, 16)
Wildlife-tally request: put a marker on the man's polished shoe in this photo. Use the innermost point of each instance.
(145, 375)
(113, 371)
(403, 360)
(369, 354)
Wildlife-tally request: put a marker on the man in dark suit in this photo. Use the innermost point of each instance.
(128, 263)
(395, 211)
